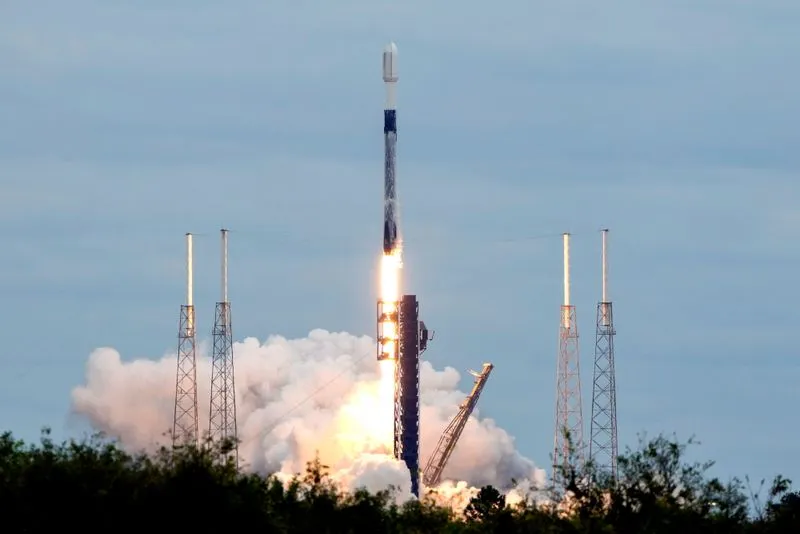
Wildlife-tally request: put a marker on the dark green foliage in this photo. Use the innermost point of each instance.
(93, 486)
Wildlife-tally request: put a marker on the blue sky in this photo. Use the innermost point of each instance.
(123, 126)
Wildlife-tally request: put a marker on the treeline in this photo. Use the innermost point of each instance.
(94, 486)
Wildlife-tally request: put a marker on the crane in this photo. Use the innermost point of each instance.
(432, 473)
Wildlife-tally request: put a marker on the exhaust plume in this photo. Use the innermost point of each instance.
(295, 398)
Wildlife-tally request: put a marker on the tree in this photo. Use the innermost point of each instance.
(93, 485)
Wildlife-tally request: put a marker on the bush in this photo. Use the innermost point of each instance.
(94, 486)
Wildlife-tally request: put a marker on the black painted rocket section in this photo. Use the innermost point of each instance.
(390, 233)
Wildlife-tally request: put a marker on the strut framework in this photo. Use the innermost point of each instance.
(447, 443)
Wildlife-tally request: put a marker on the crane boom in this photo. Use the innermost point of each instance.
(432, 473)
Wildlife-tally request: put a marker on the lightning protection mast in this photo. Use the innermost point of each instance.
(447, 443)
(222, 418)
(603, 448)
(184, 426)
(569, 412)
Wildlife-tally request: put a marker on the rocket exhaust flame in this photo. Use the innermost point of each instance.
(388, 303)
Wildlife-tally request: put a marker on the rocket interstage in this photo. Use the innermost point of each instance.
(391, 230)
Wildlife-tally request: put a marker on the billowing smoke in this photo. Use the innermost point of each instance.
(297, 398)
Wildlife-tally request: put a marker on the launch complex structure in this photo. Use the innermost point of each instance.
(432, 474)
(603, 446)
(222, 405)
(401, 335)
(184, 426)
(401, 338)
(569, 445)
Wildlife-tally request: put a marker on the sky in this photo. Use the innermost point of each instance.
(125, 124)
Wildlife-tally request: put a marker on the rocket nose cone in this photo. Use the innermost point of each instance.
(390, 63)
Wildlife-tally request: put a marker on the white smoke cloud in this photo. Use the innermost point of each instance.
(297, 398)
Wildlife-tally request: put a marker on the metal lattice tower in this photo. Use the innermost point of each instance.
(222, 418)
(603, 449)
(569, 411)
(432, 473)
(413, 342)
(184, 423)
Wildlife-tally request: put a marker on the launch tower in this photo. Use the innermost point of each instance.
(184, 426)
(222, 417)
(603, 449)
(569, 412)
(413, 342)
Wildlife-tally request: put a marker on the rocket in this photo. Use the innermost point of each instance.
(388, 328)
(391, 232)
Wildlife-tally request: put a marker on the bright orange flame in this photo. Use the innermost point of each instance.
(389, 297)
(365, 422)
(388, 333)
(386, 396)
(390, 277)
